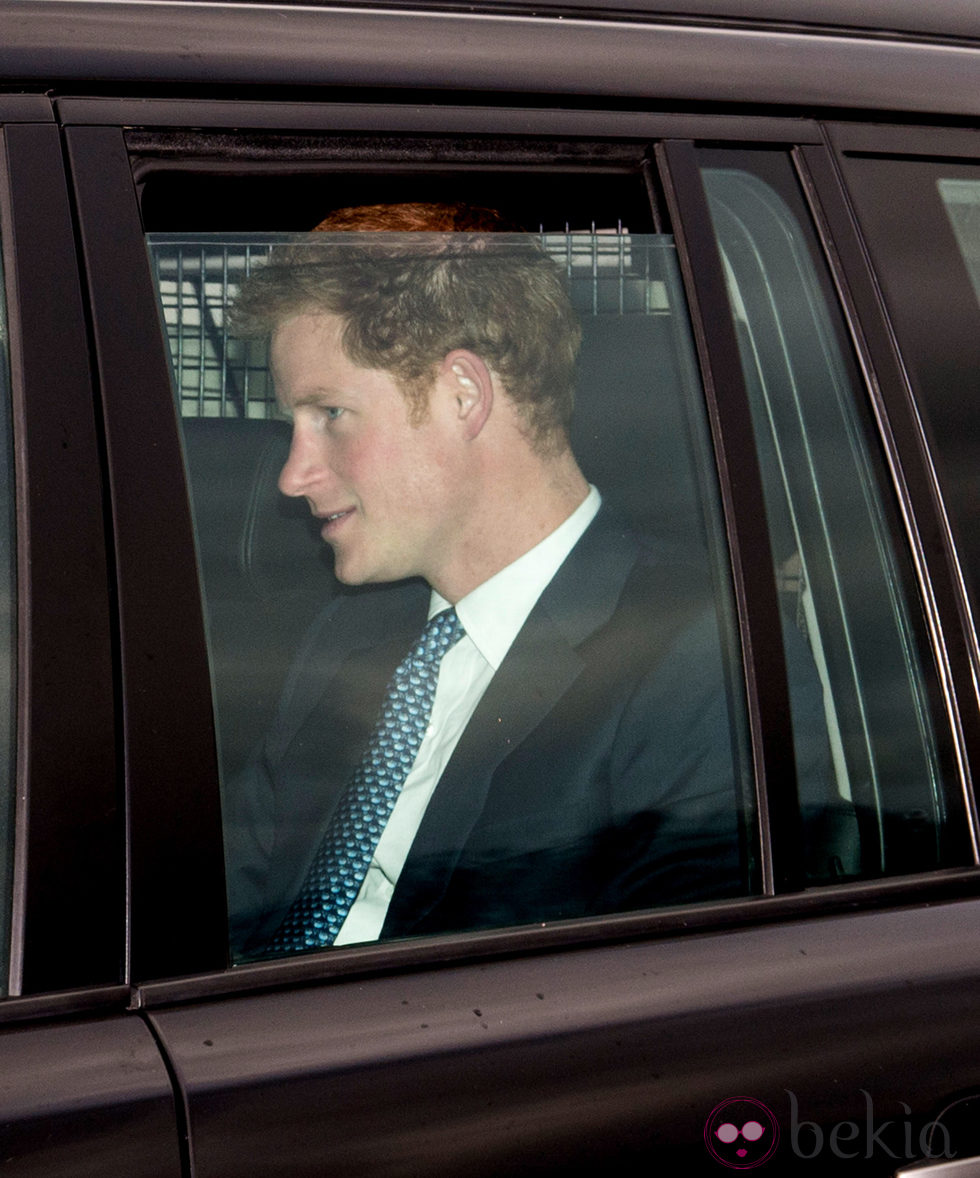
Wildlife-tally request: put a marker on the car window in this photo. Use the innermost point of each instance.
(7, 648)
(842, 571)
(921, 220)
(606, 767)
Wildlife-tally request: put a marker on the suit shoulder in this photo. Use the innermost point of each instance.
(362, 616)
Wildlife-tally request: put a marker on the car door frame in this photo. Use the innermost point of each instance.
(84, 1083)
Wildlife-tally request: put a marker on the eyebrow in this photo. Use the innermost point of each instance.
(310, 397)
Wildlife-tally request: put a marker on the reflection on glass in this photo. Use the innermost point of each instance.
(962, 201)
(842, 574)
(919, 218)
(585, 752)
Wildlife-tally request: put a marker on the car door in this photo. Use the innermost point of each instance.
(84, 1088)
(811, 995)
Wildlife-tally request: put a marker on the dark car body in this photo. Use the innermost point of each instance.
(128, 1043)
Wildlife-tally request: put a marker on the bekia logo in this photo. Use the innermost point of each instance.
(741, 1133)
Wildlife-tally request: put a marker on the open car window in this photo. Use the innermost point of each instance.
(571, 792)
(603, 765)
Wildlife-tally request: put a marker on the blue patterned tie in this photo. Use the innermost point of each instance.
(344, 855)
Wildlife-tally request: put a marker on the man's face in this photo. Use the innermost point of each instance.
(383, 487)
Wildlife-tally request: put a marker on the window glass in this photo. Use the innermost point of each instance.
(7, 647)
(604, 767)
(843, 576)
(921, 221)
(962, 201)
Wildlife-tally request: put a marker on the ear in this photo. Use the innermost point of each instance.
(470, 385)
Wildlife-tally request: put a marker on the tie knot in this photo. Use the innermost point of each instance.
(440, 633)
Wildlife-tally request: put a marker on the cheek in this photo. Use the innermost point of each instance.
(404, 471)
(409, 469)
(382, 475)
(357, 460)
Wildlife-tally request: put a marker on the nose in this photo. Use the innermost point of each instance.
(302, 467)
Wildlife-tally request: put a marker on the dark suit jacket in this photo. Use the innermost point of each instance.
(599, 772)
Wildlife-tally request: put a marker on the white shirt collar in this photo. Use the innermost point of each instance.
(493, 613)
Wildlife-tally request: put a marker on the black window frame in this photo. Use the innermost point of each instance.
(176, 884)
(68, 927)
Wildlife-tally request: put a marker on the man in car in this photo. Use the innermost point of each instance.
(566, 747)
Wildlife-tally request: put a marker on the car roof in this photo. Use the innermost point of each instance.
(957, 19)
(898, 56)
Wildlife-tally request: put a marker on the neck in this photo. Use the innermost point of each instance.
(523, 506)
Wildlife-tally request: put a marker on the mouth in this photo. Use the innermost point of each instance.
(332, 521)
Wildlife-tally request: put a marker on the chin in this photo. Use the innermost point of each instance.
(345, 577)
(351, 576)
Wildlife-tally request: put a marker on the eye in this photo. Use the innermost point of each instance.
(326, 415)
(727, 1133)
(752, 1130)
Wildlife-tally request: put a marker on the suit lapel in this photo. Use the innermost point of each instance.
(364, 620)
(316, 745)
(540, 667)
